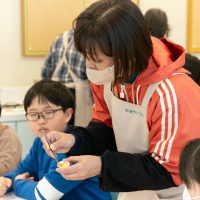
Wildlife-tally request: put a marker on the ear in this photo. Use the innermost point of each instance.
(68, 114)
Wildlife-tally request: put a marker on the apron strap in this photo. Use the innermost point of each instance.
(63, 59)
(73, 75)
(150, 90)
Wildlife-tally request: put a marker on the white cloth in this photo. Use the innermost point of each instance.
(131, 134)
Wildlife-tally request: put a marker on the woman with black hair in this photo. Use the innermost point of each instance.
(144, 105)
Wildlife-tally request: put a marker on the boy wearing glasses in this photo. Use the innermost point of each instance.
(49, 107)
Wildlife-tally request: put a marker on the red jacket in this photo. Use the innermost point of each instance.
(173, 115)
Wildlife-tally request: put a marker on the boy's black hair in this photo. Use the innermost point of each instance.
(48, 90)
(189, 165)
(119, 29)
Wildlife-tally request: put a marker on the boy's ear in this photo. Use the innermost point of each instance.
(68, 114)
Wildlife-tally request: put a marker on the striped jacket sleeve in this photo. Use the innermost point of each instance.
(50, 187)
(159, 166)
(164, 129)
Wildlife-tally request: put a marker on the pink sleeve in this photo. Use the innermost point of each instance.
(10, 150)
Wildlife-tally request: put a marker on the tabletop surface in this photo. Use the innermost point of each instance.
(10, 196)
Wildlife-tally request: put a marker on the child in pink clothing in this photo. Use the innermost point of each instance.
(10, 149)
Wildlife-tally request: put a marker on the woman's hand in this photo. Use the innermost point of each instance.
(5, 184)
(85, 167)
(60, 142)
(24, 176)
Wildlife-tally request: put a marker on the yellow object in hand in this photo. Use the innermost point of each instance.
(63, 164)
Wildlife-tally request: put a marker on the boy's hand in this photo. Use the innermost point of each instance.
(60, 142)
(5, 183)
(24, 176)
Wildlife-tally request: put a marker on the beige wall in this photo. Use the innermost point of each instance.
(177, 16)
(17, 70)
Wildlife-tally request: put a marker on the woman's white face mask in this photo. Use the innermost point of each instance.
(186, 195)
(100, 77)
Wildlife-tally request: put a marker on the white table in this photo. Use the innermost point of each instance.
(10, 196)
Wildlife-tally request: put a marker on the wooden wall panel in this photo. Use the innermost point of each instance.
(193, 42)
(43, 20)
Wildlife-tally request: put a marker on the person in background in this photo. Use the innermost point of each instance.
(192, 64)
(144, 105)
(10, 149)
(158, 27)
(49, 106)
(64, 63)
(190, 169)
(157, 22)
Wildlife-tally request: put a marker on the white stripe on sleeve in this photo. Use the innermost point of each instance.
(47, 190)
(175, 118)
(37, 196)
(169, 104)
(162, 120)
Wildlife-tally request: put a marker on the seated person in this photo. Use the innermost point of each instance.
(192, 64)
(10, 149)
(49, 106)
(189, 168)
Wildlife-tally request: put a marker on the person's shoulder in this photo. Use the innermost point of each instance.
(63, 39)
(192, 64)
(183, 86)
(37, 142)
(69, 34)
(191, 59)
(59, 38)
(7, 130)
(37, 147)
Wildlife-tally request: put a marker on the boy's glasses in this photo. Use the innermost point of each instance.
(47, 114)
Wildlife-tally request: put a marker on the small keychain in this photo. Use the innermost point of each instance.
(121, 94)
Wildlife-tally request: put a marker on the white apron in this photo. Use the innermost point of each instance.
(83, 94)
(131, 134)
